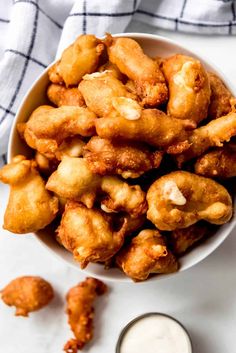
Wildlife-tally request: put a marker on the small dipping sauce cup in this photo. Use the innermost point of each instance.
(154, 333)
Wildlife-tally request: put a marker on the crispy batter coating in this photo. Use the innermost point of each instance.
(30, 206)
(60, 95)
(183, 239)
(48, 127)
(189, 88)
(112, 68)
(99, 91)
(71, 147)
(80, 58)
(53, 74)
(89, 234)
(214, 134)
(220, 97)
(130, 59)
(27, 294)
(80, 312)
(74, 180)
(180, 199)
(153, 127)
(146, 254)
(130, 160)
(219, 163)
(123, 197)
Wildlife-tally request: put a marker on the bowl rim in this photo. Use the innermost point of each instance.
(229, 226)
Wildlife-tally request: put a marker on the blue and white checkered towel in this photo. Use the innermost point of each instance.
(33, 31)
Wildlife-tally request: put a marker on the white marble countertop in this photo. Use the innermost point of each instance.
(202, 298)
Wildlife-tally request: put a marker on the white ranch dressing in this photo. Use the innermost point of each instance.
(155, 334)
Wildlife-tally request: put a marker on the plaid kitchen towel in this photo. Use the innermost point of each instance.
(33, 31)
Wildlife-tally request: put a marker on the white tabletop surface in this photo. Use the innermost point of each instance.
(202, 298)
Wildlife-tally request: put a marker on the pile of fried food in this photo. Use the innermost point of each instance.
(32, 293)
(125, 157)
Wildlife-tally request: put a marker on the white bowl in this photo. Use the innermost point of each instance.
(154, 46)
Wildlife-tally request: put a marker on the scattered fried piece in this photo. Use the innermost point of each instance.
(60, 95)
(27, 294)
(219, 163)
(80, 312)
(214, 134)
(30, 206)
(89, 234)
(74, 180)
(189, 88)
(183, 239)
(46, 166)
(71, 147)
(100, 90)
(130, 59)
(220, 97)
(48, 127)
(80, 58)
(146, 254)
(130, 160)
(153, 127)
(180, 199)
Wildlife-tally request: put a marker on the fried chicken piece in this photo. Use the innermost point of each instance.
(214, 134)
(27, 294)
(30, 206)
(60, 95)
(53, 74)
(189, 88)
(219, 163)
(153, 127)
(123, 197)
(100, 91)
(180, 199)
(184, 239)
(80, 312)
(130, 59)
(89, 234)
(112, 68)
(146, 254)
(80, 58)
(74, 180)
(130, 160)
(220, 97)
(48, 127)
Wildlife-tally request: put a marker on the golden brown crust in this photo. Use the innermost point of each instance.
(27, 294)
(130, 160)
(48, 127)
(220, 97)
(80, 58)
(214, 134)
(153, 127)
(189, 88)
(183, 239)
(89, 234)
(146, 254)
(219, 163)
(130, 59)
(30, 206)
(60, 95)
(180, 199)
(99, 90)
(80, 312)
